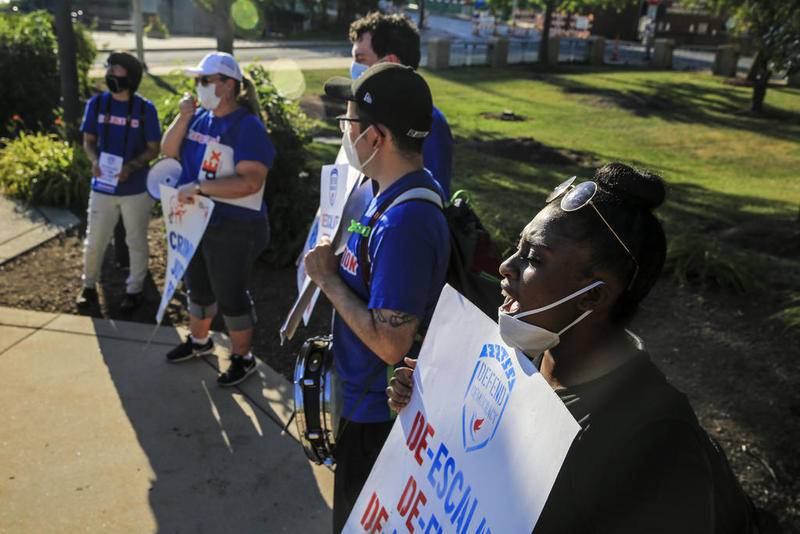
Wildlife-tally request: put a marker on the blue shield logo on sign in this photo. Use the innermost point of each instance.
(487, 395)
(333, 186)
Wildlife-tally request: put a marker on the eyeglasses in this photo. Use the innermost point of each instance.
(578, 196)
(205, 80)
(344, 125)
(344, 120)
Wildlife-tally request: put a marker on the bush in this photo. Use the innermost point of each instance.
(29, 66)
(42, 169)
(705, 262)
(292, 194)
(156, 28)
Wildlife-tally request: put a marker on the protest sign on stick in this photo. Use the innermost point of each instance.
(478, 447)
(185, 224)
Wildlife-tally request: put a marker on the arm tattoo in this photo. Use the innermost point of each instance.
(396, 319)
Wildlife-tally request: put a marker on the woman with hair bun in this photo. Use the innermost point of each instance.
(641, 461)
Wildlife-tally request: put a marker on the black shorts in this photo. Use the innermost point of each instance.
(220, 271)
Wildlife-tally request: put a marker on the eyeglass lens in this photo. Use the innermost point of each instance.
(579, 196)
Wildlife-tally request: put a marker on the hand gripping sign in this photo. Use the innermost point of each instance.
(478, 447)
(185, 224)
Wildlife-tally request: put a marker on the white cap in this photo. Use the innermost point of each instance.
(217, 63)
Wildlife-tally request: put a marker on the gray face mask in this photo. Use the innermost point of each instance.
(531, 339)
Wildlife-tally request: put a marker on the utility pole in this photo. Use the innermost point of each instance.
(138, 29)
(421, 14)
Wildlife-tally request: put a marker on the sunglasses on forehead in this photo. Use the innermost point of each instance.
(577, 196)
(205, 80)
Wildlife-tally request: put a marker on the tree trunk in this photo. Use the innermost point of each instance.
(760, 90)
(545, 37)
(753, 72)
(421, 24)
(67, 65)
(222, 14)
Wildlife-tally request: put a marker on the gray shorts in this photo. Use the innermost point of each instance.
(220, 271)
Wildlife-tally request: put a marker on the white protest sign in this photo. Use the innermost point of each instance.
(332, 196)
(185, 224)
(354, 202)
(478, 447)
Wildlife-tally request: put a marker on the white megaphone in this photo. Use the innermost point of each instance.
(167, 172)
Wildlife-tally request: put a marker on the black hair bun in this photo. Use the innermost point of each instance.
(637, 188)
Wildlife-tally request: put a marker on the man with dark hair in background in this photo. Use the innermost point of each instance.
(395, 39)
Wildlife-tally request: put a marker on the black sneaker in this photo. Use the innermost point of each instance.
(188, 350)
(237, 371)
(130, 302)
(87, 297)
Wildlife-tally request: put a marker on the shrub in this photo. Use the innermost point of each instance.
(42, 169)
(29, 66)
(156, 28)
(706, 262)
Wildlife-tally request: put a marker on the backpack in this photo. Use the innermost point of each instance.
(473, 267)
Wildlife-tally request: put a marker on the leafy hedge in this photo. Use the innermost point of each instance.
(31, 90)
(43, 169)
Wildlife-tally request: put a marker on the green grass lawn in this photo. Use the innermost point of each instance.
(725, 168)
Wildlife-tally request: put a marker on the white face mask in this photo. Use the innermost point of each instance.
(357, 69)
(207, 96)
(352, 153)
(531, 339)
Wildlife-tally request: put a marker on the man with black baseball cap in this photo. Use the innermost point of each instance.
(386, 283)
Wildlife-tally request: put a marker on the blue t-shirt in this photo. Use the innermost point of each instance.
(103, 109)
(242, 131)
(409, 250)
(437, 152)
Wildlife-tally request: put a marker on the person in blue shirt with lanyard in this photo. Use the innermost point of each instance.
(395, 39)
(225, 153)
(387, 282)
(120, 136)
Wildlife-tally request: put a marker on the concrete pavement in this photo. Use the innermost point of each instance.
(26, 227)
(98, 433)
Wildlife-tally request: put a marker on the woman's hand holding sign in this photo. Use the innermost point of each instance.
(401, 385)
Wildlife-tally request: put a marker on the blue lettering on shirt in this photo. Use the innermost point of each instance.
(409, 249)
(143, 128)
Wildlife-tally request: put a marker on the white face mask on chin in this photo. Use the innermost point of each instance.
(207, 95)
(531, 339)
(351, 152)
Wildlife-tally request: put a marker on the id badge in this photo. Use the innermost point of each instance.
(110, 167)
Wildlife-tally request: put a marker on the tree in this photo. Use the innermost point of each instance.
(774, 26)
(67, 65)
(572, 6)
(221, 11)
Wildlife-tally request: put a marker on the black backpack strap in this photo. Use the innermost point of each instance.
(425, 194)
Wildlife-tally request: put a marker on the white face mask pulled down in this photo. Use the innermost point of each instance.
(207, 96)
(531, 339)
(351, 152)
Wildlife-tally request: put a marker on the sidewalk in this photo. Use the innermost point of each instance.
(26, 227)
(99, 433)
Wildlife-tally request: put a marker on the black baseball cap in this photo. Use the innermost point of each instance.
(390, 94)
